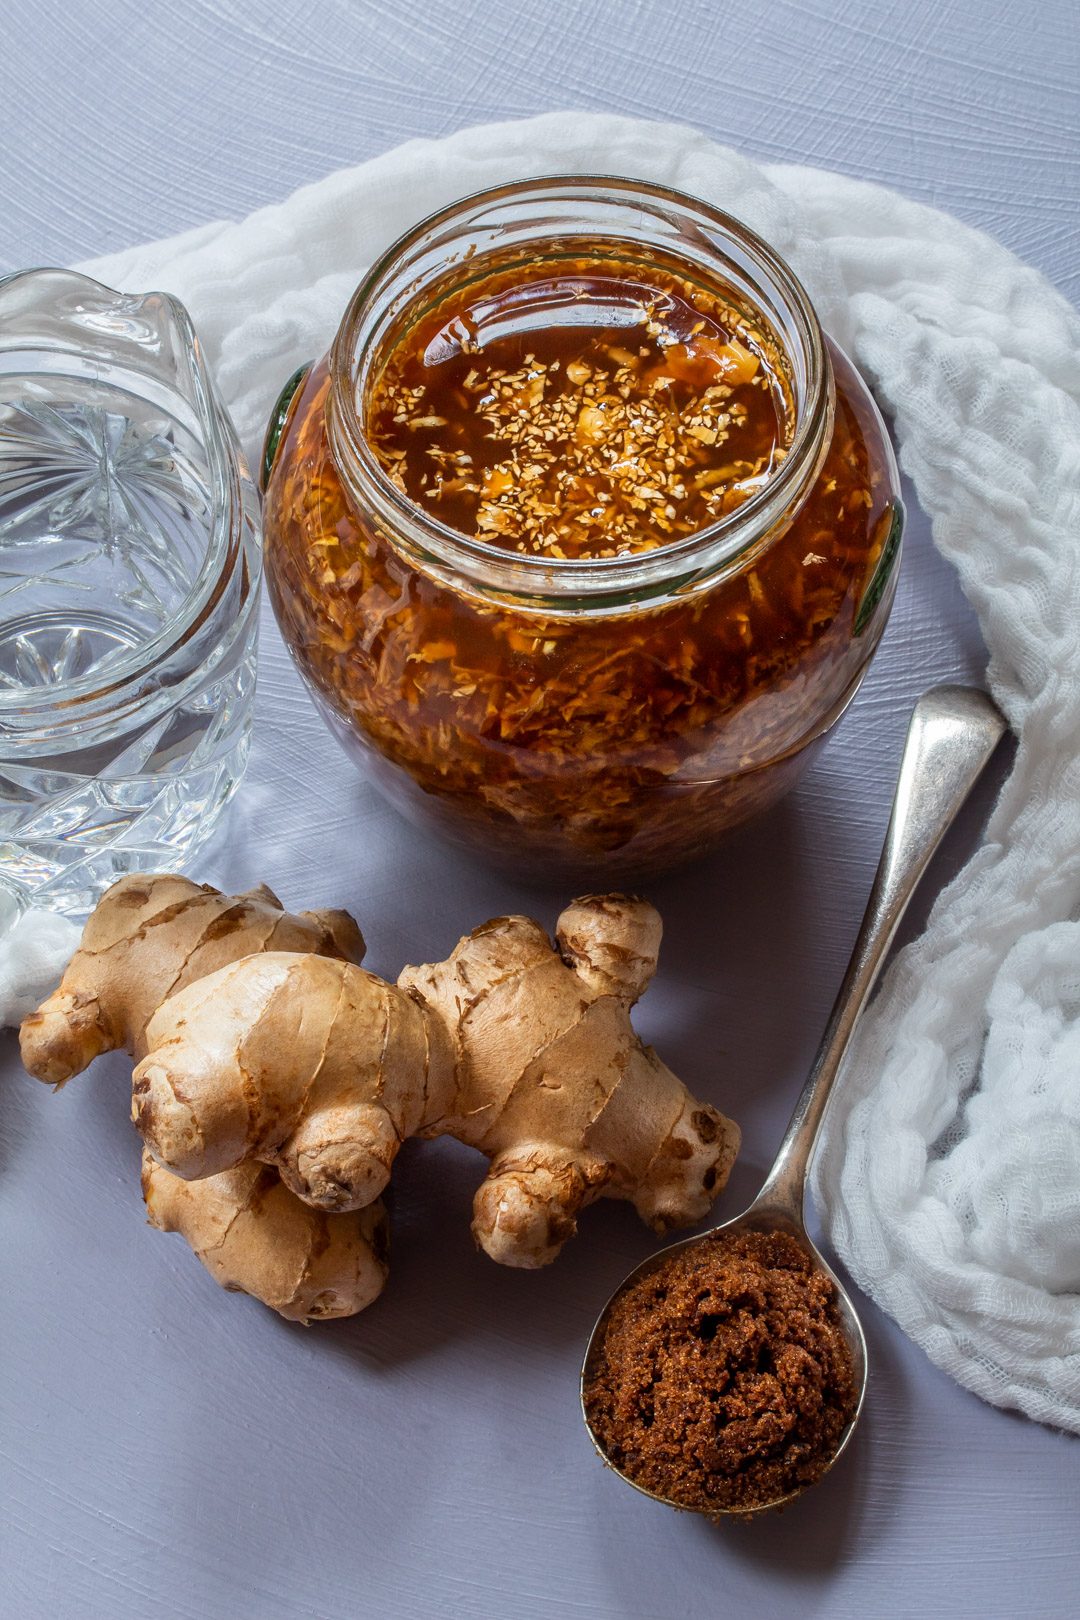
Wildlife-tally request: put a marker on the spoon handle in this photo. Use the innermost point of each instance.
(953, 732)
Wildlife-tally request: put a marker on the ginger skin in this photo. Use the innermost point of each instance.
(255, 1237)
(148, 937)
(516, 1048)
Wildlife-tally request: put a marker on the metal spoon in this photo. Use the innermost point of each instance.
(953, 732)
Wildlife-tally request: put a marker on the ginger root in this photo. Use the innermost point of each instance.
(148, 937)
(255, 1237)
(277, 1080)
(519, 1049)
(553, 1084)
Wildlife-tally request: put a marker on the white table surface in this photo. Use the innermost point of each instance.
(167, 1449)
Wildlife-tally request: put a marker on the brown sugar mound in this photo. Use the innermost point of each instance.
(723, 1380)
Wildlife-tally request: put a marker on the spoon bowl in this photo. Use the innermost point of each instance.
(951, 736)
(755, 1219)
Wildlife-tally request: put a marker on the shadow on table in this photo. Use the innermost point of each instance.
(732, 1001)
(443, 1292)
(815, 1534)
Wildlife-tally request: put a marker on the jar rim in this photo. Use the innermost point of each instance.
(129, 671)
(553, 581)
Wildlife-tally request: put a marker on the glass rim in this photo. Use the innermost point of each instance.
(552, 579)
(132, 669)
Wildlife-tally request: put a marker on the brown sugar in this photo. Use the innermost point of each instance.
(723, 1380)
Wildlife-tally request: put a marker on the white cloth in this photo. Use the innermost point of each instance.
(950, 1167)
(34, 950)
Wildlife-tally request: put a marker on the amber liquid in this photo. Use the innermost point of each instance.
(588, 412)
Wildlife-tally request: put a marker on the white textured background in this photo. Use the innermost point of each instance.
(168, 1450)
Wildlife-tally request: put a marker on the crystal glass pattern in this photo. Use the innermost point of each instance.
(129, 569)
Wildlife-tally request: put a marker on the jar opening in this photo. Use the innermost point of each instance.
(549, 221)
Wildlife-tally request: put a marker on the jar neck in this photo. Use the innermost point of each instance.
(523, 220)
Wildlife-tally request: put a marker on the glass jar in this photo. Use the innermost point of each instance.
(129, 574)
(598, 717)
